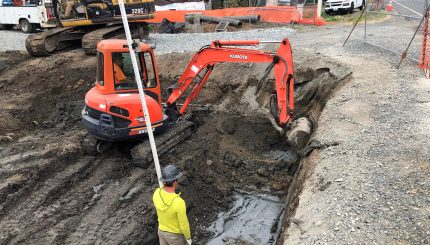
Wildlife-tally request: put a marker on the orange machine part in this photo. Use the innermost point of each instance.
(208, 57)
(104, 96)
(107, 47)
(272, 14)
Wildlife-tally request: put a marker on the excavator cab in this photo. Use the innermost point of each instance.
(123, 73)
(113, 111)
(71, 13)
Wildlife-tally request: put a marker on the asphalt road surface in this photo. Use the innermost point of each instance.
(417, 6)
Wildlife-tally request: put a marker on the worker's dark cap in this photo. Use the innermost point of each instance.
(170, 173)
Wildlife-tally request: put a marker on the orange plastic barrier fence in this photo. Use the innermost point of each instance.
(273, 14)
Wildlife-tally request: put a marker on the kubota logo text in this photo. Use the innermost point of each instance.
(238, 56)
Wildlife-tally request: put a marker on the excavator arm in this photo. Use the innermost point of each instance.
(203, 62)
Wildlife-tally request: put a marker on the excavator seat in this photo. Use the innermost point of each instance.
(97, 12)
(99, 8)
(80, 9)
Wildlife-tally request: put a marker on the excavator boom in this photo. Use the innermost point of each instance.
(203, 62)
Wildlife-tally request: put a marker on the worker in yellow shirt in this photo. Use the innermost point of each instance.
(173, 226)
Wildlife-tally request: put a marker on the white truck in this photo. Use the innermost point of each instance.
(29, 15)
(332, 6)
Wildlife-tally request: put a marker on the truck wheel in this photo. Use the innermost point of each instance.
(26, 26)
(352, 8)
(362, 5)
(8, 27)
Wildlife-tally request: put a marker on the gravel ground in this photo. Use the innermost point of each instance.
(167, 43)
(373, 188)
(12, 40)
(381, 35)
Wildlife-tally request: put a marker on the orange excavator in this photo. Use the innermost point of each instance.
(113, 110)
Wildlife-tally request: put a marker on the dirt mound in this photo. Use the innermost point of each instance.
(52, 193)
(44, 92)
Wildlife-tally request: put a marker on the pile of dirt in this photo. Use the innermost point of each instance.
(52, 193)
(44, 92)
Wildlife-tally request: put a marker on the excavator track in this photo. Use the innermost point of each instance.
(49, 42)
(91, 39)
(142, 154)
(45, 43)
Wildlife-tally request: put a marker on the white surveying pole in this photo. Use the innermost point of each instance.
(141, 92)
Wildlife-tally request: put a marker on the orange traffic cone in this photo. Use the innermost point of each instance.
(389, 6)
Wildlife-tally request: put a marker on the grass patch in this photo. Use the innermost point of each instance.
(345, 17)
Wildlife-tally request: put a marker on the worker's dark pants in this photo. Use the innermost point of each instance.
(168, 238)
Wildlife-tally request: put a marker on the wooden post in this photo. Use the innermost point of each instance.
(319, 8)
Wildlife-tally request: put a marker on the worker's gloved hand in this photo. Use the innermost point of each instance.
(189, 241)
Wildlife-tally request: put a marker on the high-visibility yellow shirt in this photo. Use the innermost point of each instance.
(171, 212)
(119, 74)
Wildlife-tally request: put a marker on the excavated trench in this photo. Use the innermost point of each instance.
(241, 178)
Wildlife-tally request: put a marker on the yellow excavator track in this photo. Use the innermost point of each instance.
(46, 43)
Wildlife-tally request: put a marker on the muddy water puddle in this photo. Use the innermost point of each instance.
(253, 219)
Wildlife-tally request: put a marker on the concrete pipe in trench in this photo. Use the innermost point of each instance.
(300, 133)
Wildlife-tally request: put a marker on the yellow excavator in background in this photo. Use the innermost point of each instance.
(87, 22)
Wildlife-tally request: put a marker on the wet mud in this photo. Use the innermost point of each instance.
(253, 219)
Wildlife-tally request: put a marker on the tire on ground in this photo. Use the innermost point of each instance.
(362, 5)
(26, 26)
(351, 10)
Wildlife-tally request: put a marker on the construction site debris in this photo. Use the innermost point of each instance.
(169, 27)
(249, 19)
(192, 19)
(234, 20)
(300, 132)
